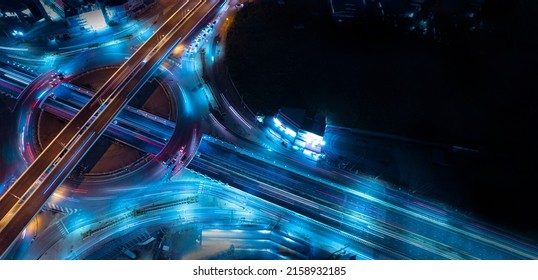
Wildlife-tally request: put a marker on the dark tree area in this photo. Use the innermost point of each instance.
(472, 88)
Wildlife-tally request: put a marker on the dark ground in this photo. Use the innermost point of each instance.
(473, 89)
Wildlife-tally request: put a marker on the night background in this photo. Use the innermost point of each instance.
(268, 129)
(471, 88)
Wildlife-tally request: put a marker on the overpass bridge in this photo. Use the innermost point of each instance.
(38, 182)
(134, 127)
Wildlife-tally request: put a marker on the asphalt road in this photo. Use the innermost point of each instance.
(391, 224)
(114, 94)
(134, 127)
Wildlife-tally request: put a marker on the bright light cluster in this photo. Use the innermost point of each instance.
(283, 128)
(312, 139)
(194, 47)
(17, 33)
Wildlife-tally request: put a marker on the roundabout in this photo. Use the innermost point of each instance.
(118, 159)
(168, 162)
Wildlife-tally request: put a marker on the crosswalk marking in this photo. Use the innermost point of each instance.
(56, 208)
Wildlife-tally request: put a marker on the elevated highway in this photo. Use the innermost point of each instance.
(389, 225)
(137, 128)
(33, 188)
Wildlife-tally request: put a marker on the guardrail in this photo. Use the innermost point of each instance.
(138, 213)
